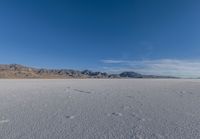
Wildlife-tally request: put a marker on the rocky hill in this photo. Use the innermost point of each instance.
(15, 71)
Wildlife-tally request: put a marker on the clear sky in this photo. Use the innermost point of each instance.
(148, 36)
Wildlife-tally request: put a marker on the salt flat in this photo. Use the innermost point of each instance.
(100, 109)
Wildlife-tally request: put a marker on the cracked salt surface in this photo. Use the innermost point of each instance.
(119, 109)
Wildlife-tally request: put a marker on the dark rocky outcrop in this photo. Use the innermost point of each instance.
(130, 75)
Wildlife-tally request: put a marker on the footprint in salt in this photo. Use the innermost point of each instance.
(4, 121)
(45, 105)
(132, 97)
(115, 114)
(126, 107)
(138, 118)
(81, 91)
(69, 96)
(183, 93)
(67, 89)
(70, 117)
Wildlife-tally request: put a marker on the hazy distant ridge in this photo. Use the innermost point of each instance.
(19, 71)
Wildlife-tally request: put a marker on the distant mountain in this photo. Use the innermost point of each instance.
(130, 75)
(15, 71)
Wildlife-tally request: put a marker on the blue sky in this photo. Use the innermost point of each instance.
(106, 35)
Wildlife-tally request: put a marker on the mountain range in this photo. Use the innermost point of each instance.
(16, 71)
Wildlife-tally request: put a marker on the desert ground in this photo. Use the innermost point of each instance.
(100, 109)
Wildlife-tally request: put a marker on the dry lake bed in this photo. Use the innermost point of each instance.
(100, 109)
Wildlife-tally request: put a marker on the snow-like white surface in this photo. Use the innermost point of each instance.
(100, 109)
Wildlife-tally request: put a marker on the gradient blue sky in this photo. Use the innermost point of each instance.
(107, 35)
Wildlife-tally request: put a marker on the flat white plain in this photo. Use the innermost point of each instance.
(100, 109)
